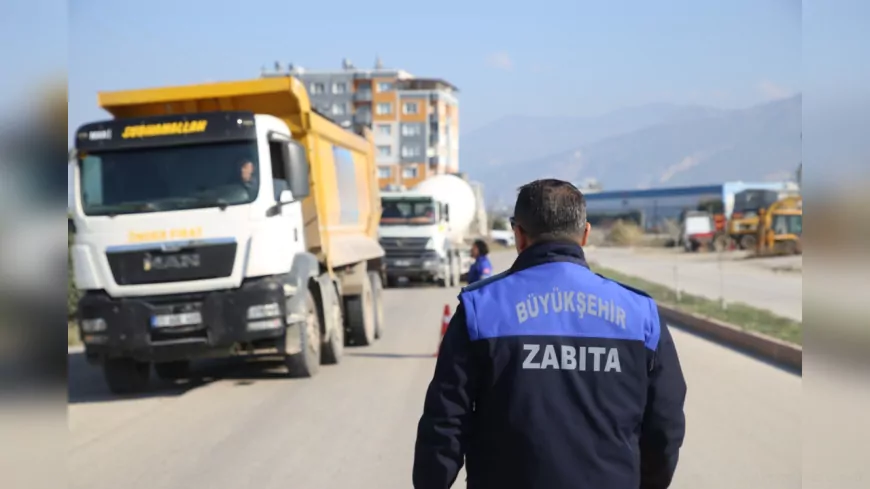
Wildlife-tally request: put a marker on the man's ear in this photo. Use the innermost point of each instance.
(586, 234)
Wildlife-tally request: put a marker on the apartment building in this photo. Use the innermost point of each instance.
(415, 121)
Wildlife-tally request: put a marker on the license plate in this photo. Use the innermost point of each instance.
(175, 320)
(403, 263)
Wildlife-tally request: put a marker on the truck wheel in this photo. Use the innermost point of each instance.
(378, 298)
(360, 317)
(747, 242)
(173, 370)
(333, 348)
(457, 270)
(126, 376)
(306, 363)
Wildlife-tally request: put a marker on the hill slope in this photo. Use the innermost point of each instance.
(700, 147)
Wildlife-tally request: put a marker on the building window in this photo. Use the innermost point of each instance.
(383, 108)
(385, 150)
(385, 129)
(409, 172)
(339, 109)
(410, 151)
(340, 87)
(411, 129)
(384, 172)
(384, 86)
(317, 88)
(409, 107)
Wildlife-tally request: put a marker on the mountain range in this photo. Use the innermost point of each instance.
(650, 146)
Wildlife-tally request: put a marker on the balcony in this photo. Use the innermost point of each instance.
(362, 96)
(362, 117)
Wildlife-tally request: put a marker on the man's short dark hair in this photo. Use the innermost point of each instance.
(550, 209)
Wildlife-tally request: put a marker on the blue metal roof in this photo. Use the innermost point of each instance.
(656, 192)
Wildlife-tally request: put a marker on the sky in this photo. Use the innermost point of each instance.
(565, 57)
(548, 57)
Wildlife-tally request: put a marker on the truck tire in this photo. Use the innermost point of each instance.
(306, 363)
(456, 276)
(333, 347)
(446, 271)
(173, 370)
(126, 376)
(378, 298)
(747, 242)
(360, 317)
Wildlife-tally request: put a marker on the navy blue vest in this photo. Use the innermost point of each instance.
(560, 299)
(565, 356)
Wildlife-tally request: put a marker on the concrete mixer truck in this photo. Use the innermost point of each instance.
(424, 230)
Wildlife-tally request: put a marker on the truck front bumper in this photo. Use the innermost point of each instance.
(427, 266)
(180, 327)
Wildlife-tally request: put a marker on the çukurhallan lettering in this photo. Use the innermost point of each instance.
(558, 301)
(567, 357)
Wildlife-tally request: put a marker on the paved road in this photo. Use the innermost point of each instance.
(752, 282)
(353, 426)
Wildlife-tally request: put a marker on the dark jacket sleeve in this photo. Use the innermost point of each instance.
(473, 273)
(664, 422)
(443, 429)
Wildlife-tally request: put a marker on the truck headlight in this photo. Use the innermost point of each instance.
(262, 311)
(93, 325)
(430, 245)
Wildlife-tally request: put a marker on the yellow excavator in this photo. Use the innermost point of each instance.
(780, 228)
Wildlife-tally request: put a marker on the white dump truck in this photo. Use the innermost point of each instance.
(425, 231)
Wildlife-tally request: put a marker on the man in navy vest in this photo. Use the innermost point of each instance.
(550, 376)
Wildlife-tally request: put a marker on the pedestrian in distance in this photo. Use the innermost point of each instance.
(550, 376)
(481, 268)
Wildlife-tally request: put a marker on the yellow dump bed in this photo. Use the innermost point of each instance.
(341, 214)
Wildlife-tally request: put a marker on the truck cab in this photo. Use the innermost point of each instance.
(223, 219)
(414, 234)
(189, 240)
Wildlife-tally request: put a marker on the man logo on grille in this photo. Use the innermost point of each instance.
(170, 262)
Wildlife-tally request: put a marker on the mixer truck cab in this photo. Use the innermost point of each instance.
(198, 233)
(423, 230)
(413, 232)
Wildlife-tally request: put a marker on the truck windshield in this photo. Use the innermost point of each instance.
(169, 178)
(405, 212)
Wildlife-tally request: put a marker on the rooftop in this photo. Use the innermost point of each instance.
(408, 81)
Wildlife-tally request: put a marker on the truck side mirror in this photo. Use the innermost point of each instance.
(285, 197)
(297, 169)
(447, 211)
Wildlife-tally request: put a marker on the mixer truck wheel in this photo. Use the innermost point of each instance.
(360, 317)
(457, 269)
(377, 297)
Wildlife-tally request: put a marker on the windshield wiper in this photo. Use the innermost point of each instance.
(133, 206)
(220, 203)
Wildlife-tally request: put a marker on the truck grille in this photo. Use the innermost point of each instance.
(155, 266)
(403, 247)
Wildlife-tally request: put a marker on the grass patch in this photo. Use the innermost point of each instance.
(72, 334)
(741, 315)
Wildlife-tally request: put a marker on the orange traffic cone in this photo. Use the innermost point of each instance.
(445, 321)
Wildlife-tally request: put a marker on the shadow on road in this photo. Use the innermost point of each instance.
(391, 355)
(86, 383)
